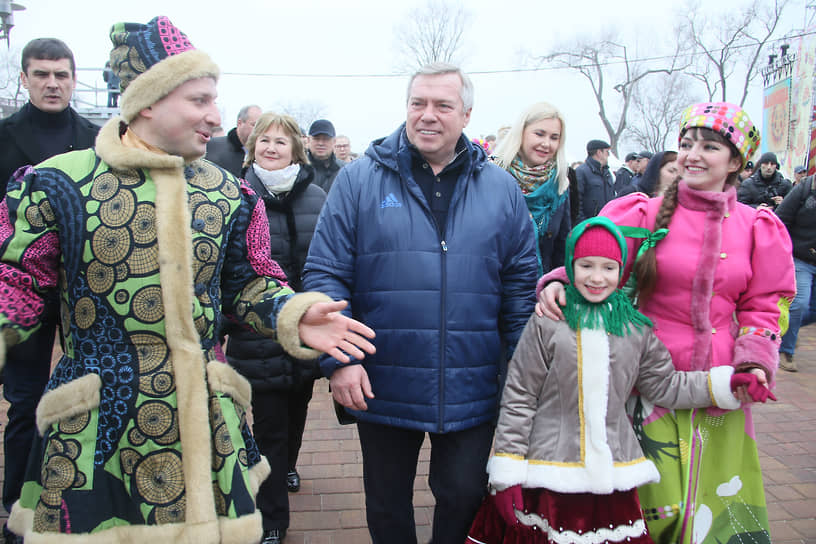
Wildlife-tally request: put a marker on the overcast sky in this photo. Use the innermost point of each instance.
(325, 37)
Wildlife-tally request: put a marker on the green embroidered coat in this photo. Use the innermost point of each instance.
(142, 431)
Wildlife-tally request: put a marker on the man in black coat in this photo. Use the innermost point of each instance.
(623, 177)
(44, 127)
(228, 151)
(766, 187)
(595, 184)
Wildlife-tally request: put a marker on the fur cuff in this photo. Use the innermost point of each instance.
(289, 319)
(73, 398)
(258, 474)
(557, 274)
(506, 470)
(162, 78)
(750, 348)
(719, 384)
(225, 379)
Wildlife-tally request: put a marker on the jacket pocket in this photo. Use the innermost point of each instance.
(68, 401)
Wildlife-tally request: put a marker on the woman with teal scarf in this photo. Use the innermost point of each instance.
(533, 152)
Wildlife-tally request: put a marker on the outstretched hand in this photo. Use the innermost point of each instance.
(325, 329)
(751, 386)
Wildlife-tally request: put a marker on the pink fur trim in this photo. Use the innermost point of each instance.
(749, 348)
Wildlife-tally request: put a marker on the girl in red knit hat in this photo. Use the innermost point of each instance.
(567, 462)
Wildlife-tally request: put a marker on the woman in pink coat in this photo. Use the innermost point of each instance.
(716, 278)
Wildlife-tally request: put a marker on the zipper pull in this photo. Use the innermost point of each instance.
(444, 247)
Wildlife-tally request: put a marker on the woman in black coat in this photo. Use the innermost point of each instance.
(277, 169)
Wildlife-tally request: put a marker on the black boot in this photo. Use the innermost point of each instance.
(273, 536)
(293, 481)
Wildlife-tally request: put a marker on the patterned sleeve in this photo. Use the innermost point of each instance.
(29, 255)
(762, 310)
(254, 287)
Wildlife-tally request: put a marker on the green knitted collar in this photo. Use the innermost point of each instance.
(616, 314)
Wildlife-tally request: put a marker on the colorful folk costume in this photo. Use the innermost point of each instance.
(142, 430)
(563, 434)
(725, 279)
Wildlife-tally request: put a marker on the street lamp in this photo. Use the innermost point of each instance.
(7, 9)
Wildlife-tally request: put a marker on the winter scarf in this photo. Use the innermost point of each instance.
(615, 315)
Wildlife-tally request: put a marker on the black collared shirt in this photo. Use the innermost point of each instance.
(438, 188)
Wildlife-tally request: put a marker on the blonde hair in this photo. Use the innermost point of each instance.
(289, 126)
(510, 144)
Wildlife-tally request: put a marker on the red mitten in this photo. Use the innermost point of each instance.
(506, 500)
(758, 391)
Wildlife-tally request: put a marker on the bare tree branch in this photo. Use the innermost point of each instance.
(721, 45)
(657, 109)
(304, 112)
(432, 33)
(604, 59)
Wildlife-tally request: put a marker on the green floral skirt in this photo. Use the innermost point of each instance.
(710, 489)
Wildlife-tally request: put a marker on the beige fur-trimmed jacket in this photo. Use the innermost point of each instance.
(563, 424)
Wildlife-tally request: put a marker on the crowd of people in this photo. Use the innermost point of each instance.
(581, 348)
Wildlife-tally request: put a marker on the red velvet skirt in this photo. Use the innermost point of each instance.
(551, 517)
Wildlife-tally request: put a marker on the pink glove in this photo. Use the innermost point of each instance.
(758, 391)
(506, 500)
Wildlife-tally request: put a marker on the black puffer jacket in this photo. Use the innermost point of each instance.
(756, 190)
(798, 212)
(292, 221)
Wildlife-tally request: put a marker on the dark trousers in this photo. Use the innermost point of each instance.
(458, 480)
(278, 421)
(25, 376)
(298, 407)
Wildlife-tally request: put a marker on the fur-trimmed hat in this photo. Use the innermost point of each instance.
(152, 60)
(728, 120)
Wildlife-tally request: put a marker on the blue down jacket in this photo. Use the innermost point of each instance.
(443, 309)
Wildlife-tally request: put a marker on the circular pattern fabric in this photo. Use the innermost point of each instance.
(159, 477)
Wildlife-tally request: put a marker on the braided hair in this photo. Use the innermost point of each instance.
(645, 268)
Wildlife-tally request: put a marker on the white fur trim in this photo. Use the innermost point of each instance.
(585, 479)
(506, 471)
(621, 533)
(593, 385)
(164, 76)
(225, 379)
(75, 397)
(720, 381)
(289, 319)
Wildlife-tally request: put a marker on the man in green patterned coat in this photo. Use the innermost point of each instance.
(142, 429)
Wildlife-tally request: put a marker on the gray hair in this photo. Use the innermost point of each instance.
(441, 68)
(243, 113)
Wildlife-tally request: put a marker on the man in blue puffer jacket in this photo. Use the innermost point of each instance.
(433, 247)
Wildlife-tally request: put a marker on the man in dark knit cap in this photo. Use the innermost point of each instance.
(766, 187)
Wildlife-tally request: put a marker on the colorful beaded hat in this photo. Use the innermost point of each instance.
(726, 119)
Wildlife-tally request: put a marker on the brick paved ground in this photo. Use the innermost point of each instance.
(330, 507)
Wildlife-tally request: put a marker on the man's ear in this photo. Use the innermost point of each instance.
(147, 112)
